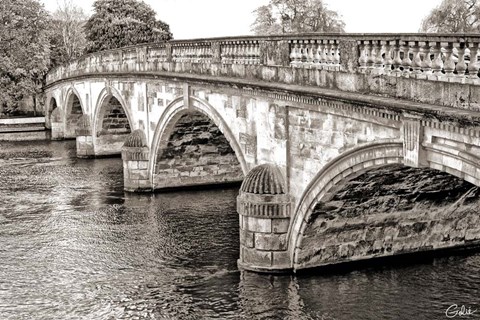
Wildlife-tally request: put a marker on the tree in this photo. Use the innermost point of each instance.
(453, 16)
(296, 16)
(24, 51)
(119, 23)
(68, 40)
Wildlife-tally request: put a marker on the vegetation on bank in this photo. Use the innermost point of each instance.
(32, 41)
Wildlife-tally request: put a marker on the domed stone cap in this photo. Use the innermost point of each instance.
(264, 179)
(136, 139)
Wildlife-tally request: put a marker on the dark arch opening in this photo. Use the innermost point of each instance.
(388, 211)
(113, 118)
(197, 153)
(51, 107)
(74, 105)
(74, 109)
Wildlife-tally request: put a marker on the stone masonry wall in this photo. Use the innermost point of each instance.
(391, 211)
(115, 120)
(197, 154)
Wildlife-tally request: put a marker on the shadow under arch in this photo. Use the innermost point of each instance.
(354, 163)
(102, 103)
(73, 111)
(51, 105)
(72, 92)
(170, 117)
(334, 175)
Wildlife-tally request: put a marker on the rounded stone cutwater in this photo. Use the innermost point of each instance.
(56, 123)
(135, 156)
(84, 138)
(265, 208)
(84, 126)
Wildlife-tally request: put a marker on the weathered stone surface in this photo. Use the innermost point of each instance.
(391, 211)
(197, 153)
(270, 241)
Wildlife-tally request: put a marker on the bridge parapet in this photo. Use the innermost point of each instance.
(438, 69)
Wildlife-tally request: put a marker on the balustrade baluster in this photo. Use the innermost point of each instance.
(234, 52)
(240, 53)
(293, 54)
(256, 52)
(427, 59)
(406, 62)
(388, 61)
(336, 54)
(378, 59)
(449, 65)
(323, 53)
(397, 59)
(316, 54)
(249, 53)
(417, 60)
(223, 53)
(303, 54)
(328, 51)
(309, 53)
(437, 64)
(229, 53)
(362, 60)
(473, 66)
(461, 65)
(370, 54)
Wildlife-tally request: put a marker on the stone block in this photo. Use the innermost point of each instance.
(132, 165)
(280, 225)
(247, 238)
(255, 257)
(271, 241)
(281, 258)
(257, 224)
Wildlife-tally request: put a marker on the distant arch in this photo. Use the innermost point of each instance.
(174, 111)
(109, 97)
(73, 104)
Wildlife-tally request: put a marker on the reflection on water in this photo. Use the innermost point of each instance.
(73, 245)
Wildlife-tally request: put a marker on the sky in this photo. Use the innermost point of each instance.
(189, 19)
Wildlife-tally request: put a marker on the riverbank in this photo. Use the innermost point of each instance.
(21, 129)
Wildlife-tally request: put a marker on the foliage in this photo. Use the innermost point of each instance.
(119, 23)
(68, 40)
(453, 16)
(24, 51)
(296, 16)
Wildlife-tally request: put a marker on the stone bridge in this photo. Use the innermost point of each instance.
(295, 118)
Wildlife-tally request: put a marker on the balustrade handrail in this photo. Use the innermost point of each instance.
(424, 55)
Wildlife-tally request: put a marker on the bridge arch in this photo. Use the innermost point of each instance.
(73, 103)
(51, 105)
(334, 175)
(170, 117)
(73, 111)
(110, 98)
(348, 166)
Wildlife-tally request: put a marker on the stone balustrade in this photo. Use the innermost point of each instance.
(435, 57)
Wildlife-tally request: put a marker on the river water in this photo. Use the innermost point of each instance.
(73, 245)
